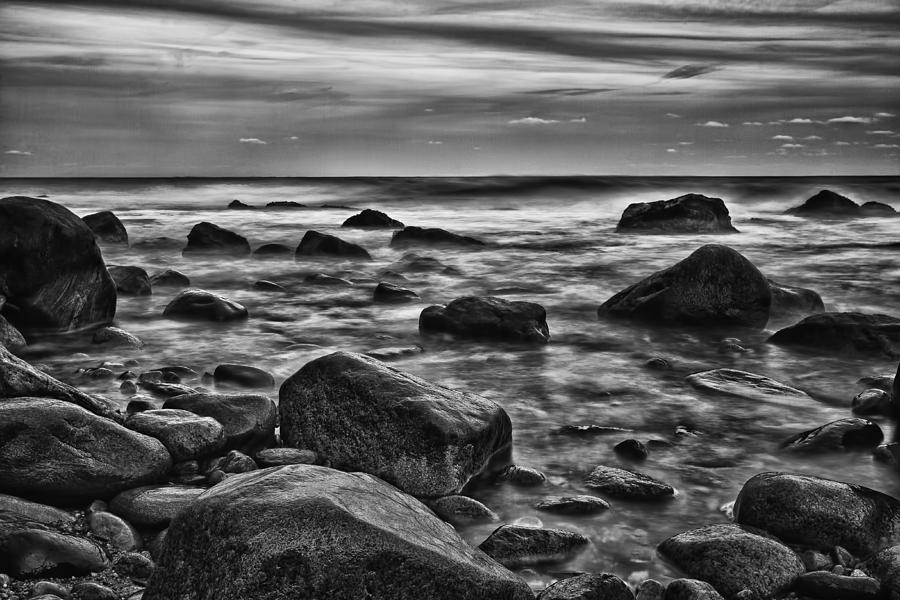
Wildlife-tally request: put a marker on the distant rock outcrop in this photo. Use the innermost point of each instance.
(323, 244)
(238, 205)
(418, 236)
(486, 317)
(372, 219)
(207, 238)
(828, 204)
(691, 213)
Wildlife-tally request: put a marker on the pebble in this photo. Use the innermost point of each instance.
(650, 589)
(115, 530)
(134, 565)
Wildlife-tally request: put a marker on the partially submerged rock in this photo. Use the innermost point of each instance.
(107, 227)
(210, 239)
(733, 382)
(517, 546)
(844, 333)
(170, 278)
(390, 293)
(373, 219)
(792, 300)
(350, 536)
(114, 336)
(272, 250)
(588, 587)
(323, 244)
(363, 415)
(691, 213)
(131, 281)
(486, 317)
(243, 376)
(432, 236)
(573, 505)
(826, 204)
(622, 483)
(843, 434)
(201, 305)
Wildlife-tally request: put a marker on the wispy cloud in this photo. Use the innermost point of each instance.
(253, 141)
(793, 146)
(884, 146)
(812, 138)
(18, 152)
(712, 124)
(578, 120)
(783, 137)
(532, 121)
(671, 150)
(753, 123)
(850, 120)
(884, 115)
(880, 132)
(842, 143)
(673, 116)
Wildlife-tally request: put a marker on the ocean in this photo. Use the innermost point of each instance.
(551, 241)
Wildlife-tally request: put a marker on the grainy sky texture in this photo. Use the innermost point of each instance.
(449, 87)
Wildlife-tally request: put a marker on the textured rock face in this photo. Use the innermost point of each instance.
(622, 483)
(10, 337)
(131, 281)
(51, 271)
(733, 558)
(691, 213)
(691, 589)
(517, 546)
(362, 415)
(249, 420)
(485, 317)
(588, 587)
(207, 238)
(307, 532)
(844, 333)
(419, 236)
(826, 204)
(200, 305)
(170, 278)
(60, 453)
(322, 244)
(184, 434)
(107, 227)
(154, 505)
(886, 567)
(372, 219)
(820, 513)
(713, 286)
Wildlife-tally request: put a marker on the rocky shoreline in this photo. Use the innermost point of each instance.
(351, 484)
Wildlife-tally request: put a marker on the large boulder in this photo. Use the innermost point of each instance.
(107, 227)
(363, 415)
(713, 286)
(849, 333)
(826, 204)
(19, 379)
(207, 238)
(431, 236)
(57, 452)
(372, 219)
(691, 213)
(249, 420)
(733, 558)
(819, 513)
(306, 532)
(131, 281)
(323, 244)
(486, 317)
(200, 305)
(885, 565)
(52, 274)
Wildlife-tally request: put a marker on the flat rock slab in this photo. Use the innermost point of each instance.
(275, 457)
(308, 532)
(518, 546)
(362, 415)
(746, 385)
(184, 434)
(154, 505)
(733, 558)
(61, 453)
(846, 333)
(588, 587)
(820, 513)
(622, 483)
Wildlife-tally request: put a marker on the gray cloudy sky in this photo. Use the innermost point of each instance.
(449, 87)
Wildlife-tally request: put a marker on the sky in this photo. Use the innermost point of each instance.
(131, 88)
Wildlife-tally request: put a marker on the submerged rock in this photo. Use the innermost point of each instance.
(52, 272)
(746, 385)
(170, 278)
(826, 204)
(573, 505)
(372, 219)
(874, 402)
(715, 285)
(418, 236)
(107, 227)
(733, 558)
(820, 513)
(487, 317)
(243, 376)
(691, 213)
(201, 305)
(516, 546)
(393, 294)
(622, 483)
(249, 420)
(363, 415)
(131, 281)
(272, 250)
(58, 452)
(588, 587)
(843, 434)
(843, 333)
(323, 244)
(351, 536)
(184, 434)
(207, 238)
(788, 300)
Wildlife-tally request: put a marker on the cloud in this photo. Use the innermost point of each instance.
(578, 120)
(532, 121)
(886, 146)
(881, 132)
(689, 71)
(18, 152)
(843, 144)
(672, 150)
(712, 124)
(253, 141)
(752, 123)
(799, 121)
(851, 120)
(435, 142)
(813, 137)
(673, 116)
(884, 115)
(783, 137)
(685, 143)
(793, 146)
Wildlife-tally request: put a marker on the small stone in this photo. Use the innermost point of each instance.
(274, 457)
(237, 462)
(97, 506)
(631, 449)
(573, 505)
(139, 405)
(587, 587)
(216, 476)
(114, 336)
(813, 560)
(151, 377)
(657, 363)
(457, 509)
(184, 434)
(522, 476)
(843, 557)
(516, 546)
(838, 569)
(691, 589)
(88, 590)
(114, 530)
(128, 388)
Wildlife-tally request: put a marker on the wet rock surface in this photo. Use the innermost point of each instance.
(691, 213)
(488, 318)
(517, 546)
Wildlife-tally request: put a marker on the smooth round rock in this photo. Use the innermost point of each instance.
(154, 505)
(131, 281)
(522, 476)
(847, 333)
(516, 546)
(170, 278)
(237, 462)
(50, 588)
(115, 530)
(207, 238)
(89, 590)
(107, 227)
(828, 586)
(28, 552)
(272, 251)
(650, 589)
(631, 449)
(243, 376)
(249, 420)
(134, 565)
(691, 589)
(732, 382)
(873, 402)
(843, 434)
(200, 305)
(115, 337)
(14, 507)
(622, 483)
(487, 317)
(184, 434)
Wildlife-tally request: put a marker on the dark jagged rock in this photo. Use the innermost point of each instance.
(10, 337)
(207, 238)
(131, 281)
(885, 565)
(323, 244)
(877, 209)
(843, 434)
(154, 505)
(622, 483)
(113, 336)
(418, 236)
(788, 300)
(201, 305)
(691, 213)
(170, 278)
(844, 333)
(715, 285)
(733, 558)
(369, 218)
(238, 205)
(351, 536)
(52, 274)
(486, 317)
(58, 452)
(29, 550)
(588, 587)
(393, 294)
(820, 513)
(691, 589)
(243, 376)
(249, 420)
(573, 505)
(107, 227)
(826, 204)
(516, 546)
(829, 586)
(184, 434)
(285, 204)
(361, 414)
(19, 379)
(733, 382)
(458, 509)
(272, 250)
